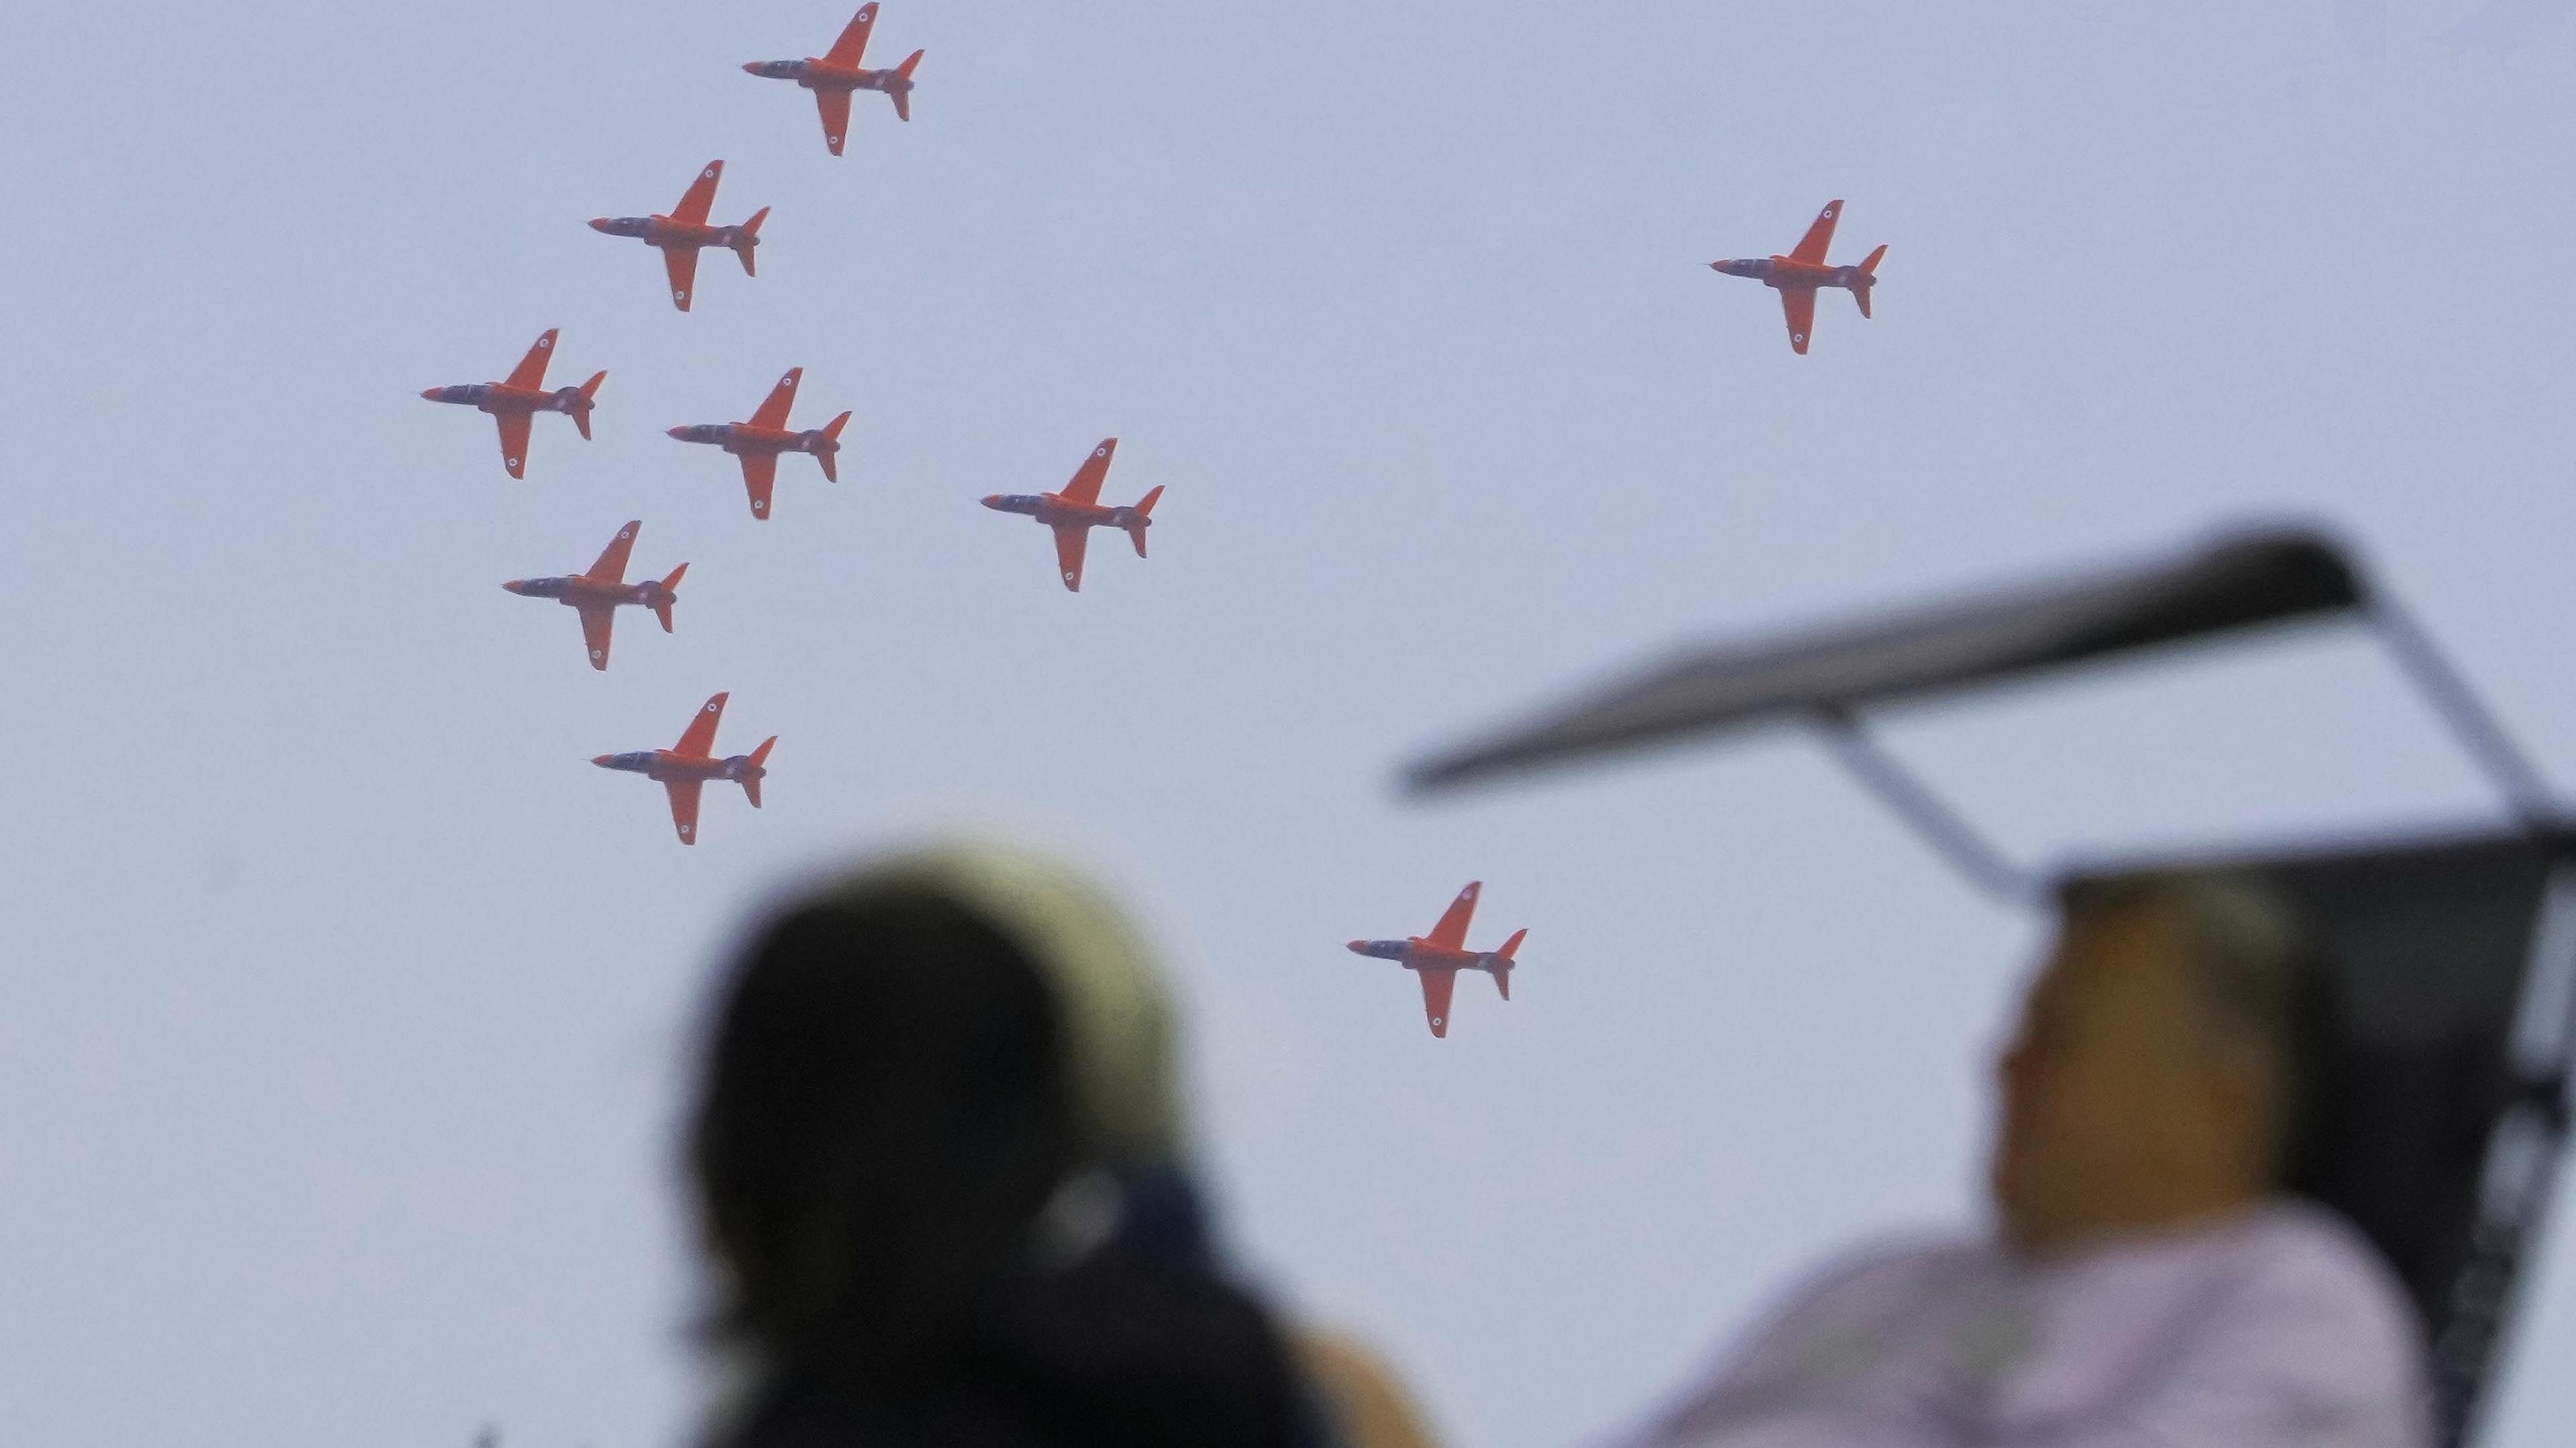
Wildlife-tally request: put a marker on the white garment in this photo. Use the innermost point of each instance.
(2276, 1327)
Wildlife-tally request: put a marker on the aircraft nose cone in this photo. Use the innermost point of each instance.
(429, 393)
(516, 585)
(751, 67)
(599, 223)
(992, 500)
(1358, 947)
(603, 760)
(678, 432)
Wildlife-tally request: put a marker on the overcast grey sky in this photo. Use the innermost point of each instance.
(347, 1006)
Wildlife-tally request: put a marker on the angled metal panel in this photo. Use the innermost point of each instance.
(2239, 581)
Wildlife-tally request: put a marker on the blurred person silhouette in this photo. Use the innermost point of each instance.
(938, 1163)
(2150, 1280)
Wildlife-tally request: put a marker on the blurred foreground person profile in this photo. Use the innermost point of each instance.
(938, 1165)
(2149, 1281)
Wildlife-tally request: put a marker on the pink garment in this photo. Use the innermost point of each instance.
(2278, 1326)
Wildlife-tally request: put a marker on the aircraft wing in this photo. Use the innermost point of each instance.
(596, 620)
(1085, 487)
(682, 264)
(1070, 539)
(759, 474)
(700, 736)
(852, 47)
(1451, 932)
(1799, 303)
(1820, 234)
(773, 408)
(684, 807)
(1438, 982)
(531, 371)
(834, 103)
(611, 567)
(700, 198)
(514, 440)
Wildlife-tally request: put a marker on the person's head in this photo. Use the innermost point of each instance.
(905, 1067)
(2161, 1061)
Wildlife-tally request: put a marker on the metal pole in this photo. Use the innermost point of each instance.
(2471, 722)
(1938, 824)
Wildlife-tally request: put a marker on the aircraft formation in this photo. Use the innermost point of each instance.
(1070, 513)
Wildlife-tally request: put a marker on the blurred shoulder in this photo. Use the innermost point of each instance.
(1894, 1265)
(2294, 1262)
(1856, 1297)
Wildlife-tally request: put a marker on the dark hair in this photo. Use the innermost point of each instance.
(884, 1111)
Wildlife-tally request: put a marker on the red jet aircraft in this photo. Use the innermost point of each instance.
(832, 77)
(686, 766)
(1074, 512)
(520, 396)
(1796, 276)
(681, 233)
(759, 441)
(598, 593)
(1438, 957)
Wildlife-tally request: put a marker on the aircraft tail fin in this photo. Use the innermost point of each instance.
(748, 237)
(901, 94)
(832, 445)
(670, 595)
(1144, 511)
(751, 782)
(581, 409)
(1868, 269)
(1503, 963)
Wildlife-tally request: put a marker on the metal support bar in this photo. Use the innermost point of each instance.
(2472, 723)
(1957, 841)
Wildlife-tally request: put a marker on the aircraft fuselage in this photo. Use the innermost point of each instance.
(1785, 272)
(662, 231)
(742, 437)
(499, 397)
(816, 74)
(1416, 953)
(1054, 509)
(663, 765)
(574, 590)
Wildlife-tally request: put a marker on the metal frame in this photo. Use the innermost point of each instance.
(2522, 1160)
(2443, 687)
(2528, 1142)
